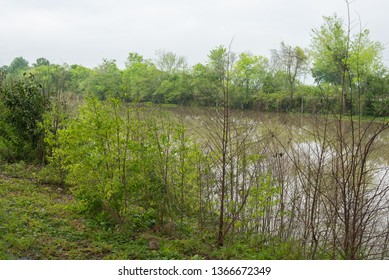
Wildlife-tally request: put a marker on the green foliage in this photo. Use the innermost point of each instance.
(335, 51)
(52, 78)
(170, 63)
(140, 80)
(292, 62)
(138, 166)
(168, 80)
(79, 79)
(18, 66)
(104, 82)
(53, 121)
(346, 60)
(248, 78)
(206, 91)
(24, 105)
(329, 50)
(41, 62)
(128, 166)
(42, 222)
(140, 175)
(237, 250)
(7, 137)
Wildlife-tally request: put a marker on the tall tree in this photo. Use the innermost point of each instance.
(343, 59)
(105, 80)
(291, 60)
(41, 62)
(52, 78)
(175, 78)
(169, 62)
(18, 65)
(226, 148)
(249, 75)
(78, 80)
(140, 79)
(210, 79)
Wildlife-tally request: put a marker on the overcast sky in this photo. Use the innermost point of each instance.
(86, 31)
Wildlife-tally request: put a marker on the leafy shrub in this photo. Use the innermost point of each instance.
(23, 105)
(121, 161)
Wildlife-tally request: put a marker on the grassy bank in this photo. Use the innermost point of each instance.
(41, 221)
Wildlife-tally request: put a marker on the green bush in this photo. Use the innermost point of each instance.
(126, 162)
(22, 105)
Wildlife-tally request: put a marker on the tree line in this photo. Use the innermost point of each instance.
(292, 79)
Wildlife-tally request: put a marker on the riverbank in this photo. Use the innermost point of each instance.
(39, 220)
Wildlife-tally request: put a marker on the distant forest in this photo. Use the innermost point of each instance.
(275, 83)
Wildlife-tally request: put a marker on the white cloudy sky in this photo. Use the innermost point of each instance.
(86, 31)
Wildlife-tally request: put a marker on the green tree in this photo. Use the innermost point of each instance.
(98, 148)
(249, 76)
(210, 79)
(218, 63)
(140, 80)
(4, 127)
(205, 90)
(41, 62)
(25, 104)
(274, 81)
(78, 80)
(105, 80)
(329, 48)
(292, 61)
(127, 164)
(227, 151)
(169, 62)
(343, 59)
(175, 86)
(52, 78)
(18, 65)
